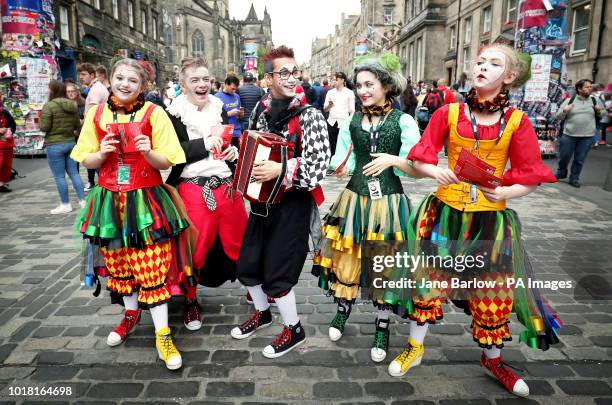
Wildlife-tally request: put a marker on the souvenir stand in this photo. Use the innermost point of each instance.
(541, 31)
(27, 64)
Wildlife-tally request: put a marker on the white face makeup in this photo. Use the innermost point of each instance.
(196, 85)
(126, 84)
(369, 89)
(489, 71)
(284, 88)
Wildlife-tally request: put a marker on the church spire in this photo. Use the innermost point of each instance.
(252, 14)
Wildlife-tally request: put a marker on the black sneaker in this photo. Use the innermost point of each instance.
(380, 347)
(289, 338)
(260, 319)
(4, 189)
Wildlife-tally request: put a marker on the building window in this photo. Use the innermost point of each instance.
(511, 10)
(388, 16)
(197, 44)
(419, 58)
(64, 25)
(580, 28)
(453, 37)
(168, 43)
(96, 4)
(143, 21)
(467, 30)
(466, 59)
(154, 28)
(411, 61)
(406, 8)
(486, 20)
(115, 9)
(130, 7)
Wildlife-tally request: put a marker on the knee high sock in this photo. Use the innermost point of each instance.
(492, 353)
(160, 316)
(382, 319)
(288, 309)
(418, 332)
(131, 302)
(344, 306)
(260, 299)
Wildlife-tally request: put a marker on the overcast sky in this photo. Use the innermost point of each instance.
(297, 23)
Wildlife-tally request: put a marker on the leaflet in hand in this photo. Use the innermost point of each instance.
(125, 134)
(224, 132)
(471, 169)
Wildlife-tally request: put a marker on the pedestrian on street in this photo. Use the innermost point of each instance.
(464, 85)
(326, 87)
(492, 131)
(449, 96)
(249, 94)
(275, 243)
(204, 183)
(409, 100)
(73, 94)
(139, 223)
(61, 124)
(340, 104)
(580, 114)
(232, 106)
(7, 146)
(102, 76)
(338, 262)
(153, 93)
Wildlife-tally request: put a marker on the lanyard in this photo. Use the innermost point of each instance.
(502, 122)
(375, 132)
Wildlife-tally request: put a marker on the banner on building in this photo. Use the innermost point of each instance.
(361, 47)
(532, 13)
(250, 49)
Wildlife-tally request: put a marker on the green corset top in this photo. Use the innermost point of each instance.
(389, 141)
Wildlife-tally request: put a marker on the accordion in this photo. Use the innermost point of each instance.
(257, 146)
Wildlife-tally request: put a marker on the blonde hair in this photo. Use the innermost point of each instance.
(142, 73)
(188, 63)
(517, 62)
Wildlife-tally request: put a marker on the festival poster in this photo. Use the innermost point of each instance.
(21, 17)
(536, 88)
(250, 64)
(532, 13)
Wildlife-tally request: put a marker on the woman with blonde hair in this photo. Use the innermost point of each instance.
(474, 217)
(139, 222)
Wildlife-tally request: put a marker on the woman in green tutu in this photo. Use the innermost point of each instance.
(373, 145)
(139, 222)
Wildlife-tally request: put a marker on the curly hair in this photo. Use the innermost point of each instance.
(276, 53)
(385, 70)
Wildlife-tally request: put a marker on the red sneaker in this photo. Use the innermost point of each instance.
(496, 368)
(250, 300)
(191, 315)
(130, 320)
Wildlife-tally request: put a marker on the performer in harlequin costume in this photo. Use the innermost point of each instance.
(205, 184)
(275, 243)
(378, 139)
(139, 222)
(487, 127)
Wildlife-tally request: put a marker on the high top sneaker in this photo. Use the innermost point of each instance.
(249, 300)
(260, 319)
(289, 338)
(380, 347)
(411, 356)
(130, 320)
(497, 369)
(166, 349)
(191, 315)
(336, 326)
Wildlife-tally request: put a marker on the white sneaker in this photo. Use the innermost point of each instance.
(82, 203)
(61, 209)
(88, 187)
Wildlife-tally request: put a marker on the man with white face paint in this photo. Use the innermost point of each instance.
(204, 184)
(275, 242)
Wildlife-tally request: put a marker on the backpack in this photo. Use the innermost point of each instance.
(433, 101)
(571, 101)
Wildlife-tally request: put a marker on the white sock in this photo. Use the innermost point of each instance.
(131, 302)
(160, 316)
(492, 353)
(260, 299)
(418, 332)
(288, 309)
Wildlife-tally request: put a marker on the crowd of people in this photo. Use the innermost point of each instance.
(161, 238)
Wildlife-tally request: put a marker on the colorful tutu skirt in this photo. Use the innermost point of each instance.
(151, 221)
(354, 219)
(489, 290)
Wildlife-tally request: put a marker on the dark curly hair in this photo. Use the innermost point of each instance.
(388, 81)
(276, 53)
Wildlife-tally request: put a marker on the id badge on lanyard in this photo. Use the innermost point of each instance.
(123, 171)
(374, 183)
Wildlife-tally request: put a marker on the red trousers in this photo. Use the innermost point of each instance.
(227, 222)
(6, 163)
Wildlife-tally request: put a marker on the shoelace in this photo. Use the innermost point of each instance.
(168, 348)
(282, 337)
(339, 321)
(252, 321)
(192, 311)
(126, 324)
(409, 351)
(381, 340)
(504, 373)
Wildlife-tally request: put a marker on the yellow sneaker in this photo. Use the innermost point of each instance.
(166, 349)
(411, 356)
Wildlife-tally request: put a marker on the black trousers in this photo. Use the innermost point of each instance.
(333, 136)
(274, 248)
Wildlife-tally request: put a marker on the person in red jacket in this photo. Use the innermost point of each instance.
(449, 97)
(7, 145)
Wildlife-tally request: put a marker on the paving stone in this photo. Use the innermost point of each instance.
(6, 350)
(584, 387)
(570, 330)
(176, 389)
(230, 356)
(48, 331)
(195, 356)
(539, 387)
(333, 390)
(26, 329)
(116, 390)
(415, 402)
(447, 329)
(157, 373)
(594, 370)
(548, 370)
(389, 389)
(77, 331)
(54, 373)
(46, 312)
(516, 401)
(55, 357)
(357, 373)
(602, 341)
(336, 358)
(286, 390)
(106, 373)
(77, 311)
(209, 371)
(230, 389)
(15, 373)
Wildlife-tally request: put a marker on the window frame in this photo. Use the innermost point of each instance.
(466, 59)
(130, 13)
(115, 9)
(143, 21)
(453, 37)
(487, 10)
(467, 22)
(197, 35)
(583, 7)
(154, 27)
(511, 9)
(64, 24)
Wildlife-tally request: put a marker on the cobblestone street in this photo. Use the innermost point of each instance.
(53, 331)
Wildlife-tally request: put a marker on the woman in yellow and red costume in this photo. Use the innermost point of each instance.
(139, 222)
(487, 127)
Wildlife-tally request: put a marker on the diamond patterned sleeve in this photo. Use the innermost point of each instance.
(312, 165)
